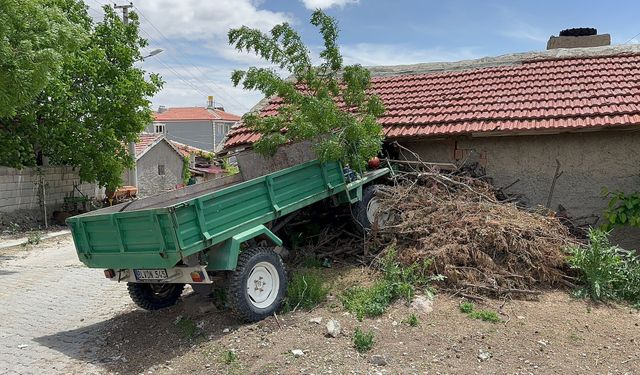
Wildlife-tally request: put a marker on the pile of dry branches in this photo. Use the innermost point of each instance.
(481, 245)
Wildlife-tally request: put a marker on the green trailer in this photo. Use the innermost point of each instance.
(207, 232)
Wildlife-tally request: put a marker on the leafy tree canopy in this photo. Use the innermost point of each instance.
(327, 103)
(69, 88)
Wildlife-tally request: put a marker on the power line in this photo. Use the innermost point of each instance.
(632, 38)
(227, 95)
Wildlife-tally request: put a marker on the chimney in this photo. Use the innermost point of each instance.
(579, 38)
(161, 109)
(210, 102)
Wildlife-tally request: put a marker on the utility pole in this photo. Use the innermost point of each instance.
(133, 173)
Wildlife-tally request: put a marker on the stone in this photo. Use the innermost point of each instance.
(297, 353)
(226, 330)
(317, 320)
(333, 328)
(483, 355)
(378, 360)
(422, 304)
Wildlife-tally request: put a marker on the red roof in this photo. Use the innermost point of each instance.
(194, 114)
(146, 140)
(564, 94)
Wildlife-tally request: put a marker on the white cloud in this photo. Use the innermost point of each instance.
(326, 4)
(369, 54)
(202, 20)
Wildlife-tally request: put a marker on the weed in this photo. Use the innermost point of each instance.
(412, 320)
(14, 228)
(574, 337)
(34, 238)
(607, 271)
(230, 357)
(484, 315)
(363, 341)
(396, 282)
(311, 262)
(466, 307)
(306, 291)
(187, 327)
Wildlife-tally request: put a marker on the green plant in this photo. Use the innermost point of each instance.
(306, 291)
(484, 315)
(34, 238)
(187, 327)
(607, 272)
(412, 320)
(363, 341)
(230, 357)
(623, 209)
(310, 106)
(466, 307)
(229, 168)
(311, 262)
(186, 173)
(397, 282)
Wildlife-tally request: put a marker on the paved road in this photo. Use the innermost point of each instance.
(52, 310)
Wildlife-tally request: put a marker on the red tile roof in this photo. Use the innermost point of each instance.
(194, 114)
(560, 94)
(145, 141)
(187, 150)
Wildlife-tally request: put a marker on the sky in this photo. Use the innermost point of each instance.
(197, 60)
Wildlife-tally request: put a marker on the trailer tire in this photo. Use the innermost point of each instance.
(154, 296)
(365, 211)
(256, 288)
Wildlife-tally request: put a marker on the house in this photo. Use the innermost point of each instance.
(202, 164)
(159, 165)
(200, 127)
(572, 113)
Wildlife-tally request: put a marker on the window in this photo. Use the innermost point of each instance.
(161, 169)
(159, 128)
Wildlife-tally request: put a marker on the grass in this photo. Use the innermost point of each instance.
(33, 239)
(412, 320)
(363, 341)
(306, 291)
(484, 315)
(311, 262)
(230, 357)
(187, 327)
(397, 282)
(607, 272)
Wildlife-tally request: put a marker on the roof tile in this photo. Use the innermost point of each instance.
(569, 93)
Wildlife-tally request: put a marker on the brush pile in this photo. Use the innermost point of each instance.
(483, 246)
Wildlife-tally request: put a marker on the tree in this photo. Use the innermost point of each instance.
(93, 100)
(328, 103)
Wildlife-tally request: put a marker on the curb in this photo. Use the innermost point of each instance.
(24, 240)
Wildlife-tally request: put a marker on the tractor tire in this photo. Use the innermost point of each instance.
(256, 288)
(151, 296)
(365, 212)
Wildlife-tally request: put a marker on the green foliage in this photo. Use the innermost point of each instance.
(397, 282)
(623, 209)
(306, 290)
(363, 341)
(412, 320)
(34, 239)
(484, 315)
(186, 173)
(311, 262)
(187, 327)
(229, 169)
(230, 357)
(607, 272)
(310, 97)
(466, 307)
(69, 88)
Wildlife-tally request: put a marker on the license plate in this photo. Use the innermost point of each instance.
(150, 274)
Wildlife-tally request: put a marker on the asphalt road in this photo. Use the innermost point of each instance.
(53, 310)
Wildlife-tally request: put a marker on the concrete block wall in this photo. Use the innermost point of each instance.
(19, 187)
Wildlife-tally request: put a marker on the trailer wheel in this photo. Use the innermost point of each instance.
(367, 211)
(151, 296)
(257, 287)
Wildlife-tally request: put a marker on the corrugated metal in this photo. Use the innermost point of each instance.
(573, 93)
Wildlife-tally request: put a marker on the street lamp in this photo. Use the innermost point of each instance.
(153, 53)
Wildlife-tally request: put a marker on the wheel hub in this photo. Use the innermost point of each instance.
(263, 284)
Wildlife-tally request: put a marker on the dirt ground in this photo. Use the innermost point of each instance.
(553, 335)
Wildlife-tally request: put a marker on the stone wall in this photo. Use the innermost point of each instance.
(150, 181)
(588, 162)
(20, 196)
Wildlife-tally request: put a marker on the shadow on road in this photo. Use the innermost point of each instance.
(136, 340)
